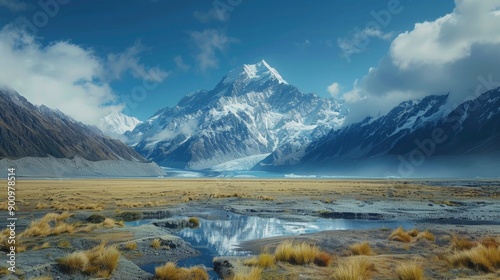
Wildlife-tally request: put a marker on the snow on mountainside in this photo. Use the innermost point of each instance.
(416, 138)
(118, 123)
(252, 111)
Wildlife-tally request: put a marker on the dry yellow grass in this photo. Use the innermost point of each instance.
(413, 232)
(76, 261)
(100, 261)
(50, 224)
(263, 260)
(90, 191)
(170, 271)
(353, 269)
(4, 270)
(42, 246)
(479, 258)
(461, 243)
(156, 243)
(64, 243)
(323, 259)
(37, 228)
(110, 222)
(62, 227)
(400, 235)
(410, 271)
(489, 242)
(42, 206)
(254, 274)
(301, 253)
(426, 235)
(131, 246)
(363, 248)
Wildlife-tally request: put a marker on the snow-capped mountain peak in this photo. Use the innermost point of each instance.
(254, 72)
(251, 112)
(118, 123)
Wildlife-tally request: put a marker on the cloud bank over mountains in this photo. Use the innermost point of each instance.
(456, 53)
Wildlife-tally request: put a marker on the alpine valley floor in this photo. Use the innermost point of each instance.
(61, 224)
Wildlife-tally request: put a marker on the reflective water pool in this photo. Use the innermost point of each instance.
(222, 235)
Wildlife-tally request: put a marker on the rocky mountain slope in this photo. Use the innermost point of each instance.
(27, 130)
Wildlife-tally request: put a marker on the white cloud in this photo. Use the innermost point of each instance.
(14, 5)
(129, 61)
(334, 90)
(187, 128)
(354, 95)
(456, 54)
(449, 38)
(60, 75)
(179, 62)
(359, 40)
(212, 15)
(207, 43)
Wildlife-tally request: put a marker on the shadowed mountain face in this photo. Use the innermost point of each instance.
(29, 130)
(416, 136)
(252, 111)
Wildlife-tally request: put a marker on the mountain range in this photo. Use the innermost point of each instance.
(33, 131)
(416, 138)
(254, 119)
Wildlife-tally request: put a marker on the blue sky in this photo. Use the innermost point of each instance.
(140, 56)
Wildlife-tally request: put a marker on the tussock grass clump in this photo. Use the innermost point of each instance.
(461, 243)
(413, 232)
(4, 270)
(361, 249)
(37, 228)
(61, 227)
(263, 260)
(400, 235)
(479, 258)
(194, 222)
(254, 274)
(170, 271)
(100, 261)
(410, 271)
(354, 269)
(323, 259)
(110, 223)
(74, 262)
(131, 246)
(50, 224)
(42, 246)
(489, 242)
(299, 254)
(64, 244)
(426, 235)
(156, 243)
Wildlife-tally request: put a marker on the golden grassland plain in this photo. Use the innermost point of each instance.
(111, 194)
(401, 254)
